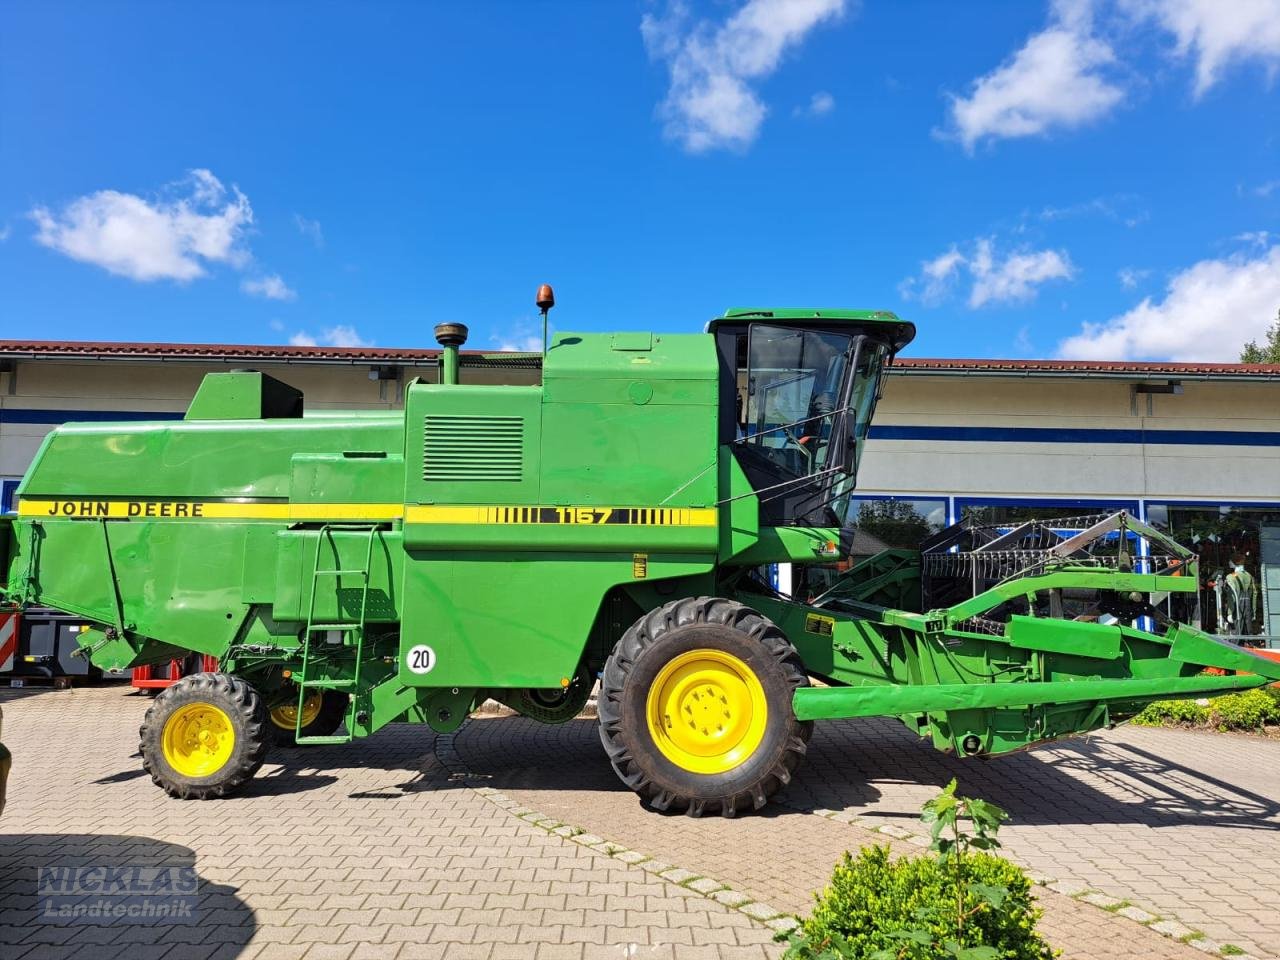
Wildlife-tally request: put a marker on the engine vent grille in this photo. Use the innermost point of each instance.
(473, 448)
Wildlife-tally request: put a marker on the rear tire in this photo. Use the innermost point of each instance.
(695, 708)
(326, 716)
(204, 736)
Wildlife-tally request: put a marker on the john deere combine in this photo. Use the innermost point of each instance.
(351, 570)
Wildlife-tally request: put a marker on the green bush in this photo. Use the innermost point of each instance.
(1247, 710)
(1169, 713)
(872, 900)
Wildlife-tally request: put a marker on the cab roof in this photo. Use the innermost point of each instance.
(900, 332)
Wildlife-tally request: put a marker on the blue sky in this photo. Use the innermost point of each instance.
(1092, 179)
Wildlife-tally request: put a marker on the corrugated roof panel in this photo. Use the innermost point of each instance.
(85, 349)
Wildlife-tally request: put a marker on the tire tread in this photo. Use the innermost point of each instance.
(227, 692)
(647, 631)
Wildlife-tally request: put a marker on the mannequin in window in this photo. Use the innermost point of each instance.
(1243, 590)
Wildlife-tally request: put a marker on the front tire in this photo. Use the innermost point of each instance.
(695, 707)
(204, 736)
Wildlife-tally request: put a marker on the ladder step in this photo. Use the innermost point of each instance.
(353, 631)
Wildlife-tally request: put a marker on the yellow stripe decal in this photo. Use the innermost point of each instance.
(204, 510)
(589, 516)
(91, 509)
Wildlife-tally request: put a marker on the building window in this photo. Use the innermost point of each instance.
(885, 522)
(7, 490)
(1239, 550)
(1064, 517)
(880, 523)
(1002, 511)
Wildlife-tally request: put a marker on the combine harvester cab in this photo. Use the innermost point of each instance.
(607, 527)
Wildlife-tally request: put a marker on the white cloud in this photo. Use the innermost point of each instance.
(711, 102)
(5, 231)
(344, 336)
(1217, 33)
(1013, 278)
(339, 336)
(173, 236)
(1130, 277)
(1254, 238)
(521, 338)
(1121, 208)
(310, 229)
(1209, 311)
(1022, 343)
(936, 278)
(820, 104)
(528, 344)
(1054, 81)
(270, 287)
(1265, 190)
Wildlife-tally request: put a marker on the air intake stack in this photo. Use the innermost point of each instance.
(450, 336)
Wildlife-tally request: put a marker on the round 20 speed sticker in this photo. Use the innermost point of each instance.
(420, 659)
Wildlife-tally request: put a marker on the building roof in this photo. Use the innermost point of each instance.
(919, 366)
(235, 352)
(1126, 369)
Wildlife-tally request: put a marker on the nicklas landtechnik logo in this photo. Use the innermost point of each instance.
(106, 895)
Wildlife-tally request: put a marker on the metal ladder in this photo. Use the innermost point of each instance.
(353, 629)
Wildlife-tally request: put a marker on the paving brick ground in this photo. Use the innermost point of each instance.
(388, 849)
(372, 851)
(782, 855)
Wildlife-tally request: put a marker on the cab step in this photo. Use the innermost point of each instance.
(332, 738)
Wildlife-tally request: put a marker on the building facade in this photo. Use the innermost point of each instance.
(1193, 449)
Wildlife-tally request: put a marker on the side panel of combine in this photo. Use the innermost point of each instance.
(199, 534)
(524, 507)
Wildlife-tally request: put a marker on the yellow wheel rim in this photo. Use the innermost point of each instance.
(198, 740)
(285, 716)
(706, 711)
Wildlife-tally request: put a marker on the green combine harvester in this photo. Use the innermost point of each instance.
(520, 543)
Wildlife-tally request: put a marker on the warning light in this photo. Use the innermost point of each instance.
(546, 299)
(564, 682)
